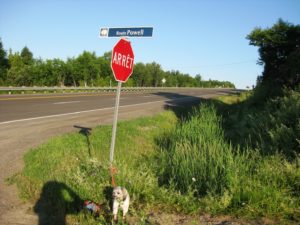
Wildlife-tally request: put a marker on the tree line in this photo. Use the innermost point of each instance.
(87, 69)
(279, 51)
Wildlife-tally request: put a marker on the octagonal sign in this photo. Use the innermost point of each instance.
(122, 60)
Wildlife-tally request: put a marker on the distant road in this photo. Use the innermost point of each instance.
(29, 120)
(16, 108)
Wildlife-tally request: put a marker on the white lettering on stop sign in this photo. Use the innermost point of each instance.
(123, 60)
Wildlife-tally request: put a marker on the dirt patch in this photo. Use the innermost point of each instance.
(161, 218)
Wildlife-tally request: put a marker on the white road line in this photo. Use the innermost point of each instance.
(86, 111)
(74, 113)
(60, 103)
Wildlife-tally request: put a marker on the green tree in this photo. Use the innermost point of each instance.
(21, 68)
(198, 80)
(3, 64)
(106, 76)
(70, 79)
(38, 73)
(141, 75)
(279, 48)
(173, 78)
(185, 80)
(87, 68)
(47, 77)
(155, 73)
(19, 74)
(27, 56)
(59, 71)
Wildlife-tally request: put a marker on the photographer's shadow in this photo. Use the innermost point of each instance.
(56, 201)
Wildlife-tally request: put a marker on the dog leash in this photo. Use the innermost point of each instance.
(113, 171)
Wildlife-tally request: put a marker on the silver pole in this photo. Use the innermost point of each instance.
(114, 129)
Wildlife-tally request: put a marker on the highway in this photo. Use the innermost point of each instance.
(29, 120)
(21, 107)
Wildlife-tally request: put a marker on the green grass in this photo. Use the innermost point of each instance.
(227, 179)
(69, 161)
(196, 154)
(235, 98)
(271, 125)
(189, 165)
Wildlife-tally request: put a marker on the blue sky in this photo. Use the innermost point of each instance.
(192, 36)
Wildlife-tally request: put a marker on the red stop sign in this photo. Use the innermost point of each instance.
(122, 60)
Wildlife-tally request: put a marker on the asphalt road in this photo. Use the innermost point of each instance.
(20, 107)
(29, 120)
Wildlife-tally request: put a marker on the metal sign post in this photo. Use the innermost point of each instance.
(115, 121)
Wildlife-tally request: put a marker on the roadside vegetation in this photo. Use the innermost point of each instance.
(177, 161)
(236, 155)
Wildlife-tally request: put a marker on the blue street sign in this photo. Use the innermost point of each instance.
(127, 32)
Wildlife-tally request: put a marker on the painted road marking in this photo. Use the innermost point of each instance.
(86, 111)
(60, 103)
(74, 113)
(49, 97)
(62, 96)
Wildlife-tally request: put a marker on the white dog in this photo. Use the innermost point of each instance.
(120, 199)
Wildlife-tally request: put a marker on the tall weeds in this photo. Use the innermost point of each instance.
(196, 156)
(271, 126)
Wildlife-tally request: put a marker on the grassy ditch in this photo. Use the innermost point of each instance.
(225, 178)
(187, 162)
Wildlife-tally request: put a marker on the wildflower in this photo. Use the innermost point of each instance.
(194, 179)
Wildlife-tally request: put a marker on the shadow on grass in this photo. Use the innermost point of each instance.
(56, 201)
(86, 131)
(182, 104)
(107, 192)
